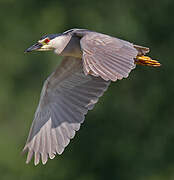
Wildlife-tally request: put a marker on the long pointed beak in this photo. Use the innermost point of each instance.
(35, 47)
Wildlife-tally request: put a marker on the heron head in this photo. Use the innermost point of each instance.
(45, 43)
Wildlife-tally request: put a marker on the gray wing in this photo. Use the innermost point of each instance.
(66, 97)
(106, 56)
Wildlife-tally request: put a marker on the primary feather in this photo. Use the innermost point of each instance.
(66, 97)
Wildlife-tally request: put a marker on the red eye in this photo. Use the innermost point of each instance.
(46, 40)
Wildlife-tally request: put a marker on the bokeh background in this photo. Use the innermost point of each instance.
(130, 132)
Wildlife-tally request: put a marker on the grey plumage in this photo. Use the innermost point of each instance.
(91, 60)
(66, 97)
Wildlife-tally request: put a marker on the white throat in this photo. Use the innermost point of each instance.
(59, 43)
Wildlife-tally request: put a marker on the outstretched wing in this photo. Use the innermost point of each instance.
(66, 97)
(106, 56)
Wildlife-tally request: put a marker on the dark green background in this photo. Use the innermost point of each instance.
(129, 135)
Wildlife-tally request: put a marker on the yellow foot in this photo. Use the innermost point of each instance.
(146, 61)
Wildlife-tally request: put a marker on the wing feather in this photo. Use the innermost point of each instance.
(106, 56)
(66, 97)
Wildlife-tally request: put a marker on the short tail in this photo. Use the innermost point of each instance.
(146, 61)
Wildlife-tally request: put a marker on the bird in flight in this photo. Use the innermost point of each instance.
(91, 60)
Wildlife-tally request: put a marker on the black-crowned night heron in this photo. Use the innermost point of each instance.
(91, 61)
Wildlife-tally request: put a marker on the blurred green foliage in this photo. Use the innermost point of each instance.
(130, 132)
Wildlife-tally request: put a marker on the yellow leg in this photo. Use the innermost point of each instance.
(146, 61)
